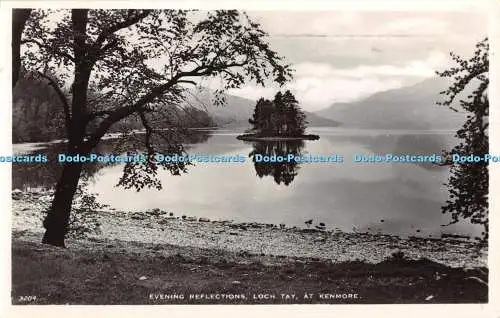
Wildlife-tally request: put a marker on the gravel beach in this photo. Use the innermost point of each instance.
(162, 227)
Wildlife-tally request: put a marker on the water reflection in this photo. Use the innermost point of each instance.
(45, 175)
(282, 172)
(408, 197)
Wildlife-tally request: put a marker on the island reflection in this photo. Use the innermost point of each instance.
(282, 172)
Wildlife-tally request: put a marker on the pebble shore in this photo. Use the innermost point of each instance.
(162, 227)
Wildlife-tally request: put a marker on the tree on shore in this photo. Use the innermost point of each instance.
(141, 62)
(468, 182)
(280, 117)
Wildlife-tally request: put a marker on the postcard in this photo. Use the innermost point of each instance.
(264, 158)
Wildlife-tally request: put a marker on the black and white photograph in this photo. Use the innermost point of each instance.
(185, 156)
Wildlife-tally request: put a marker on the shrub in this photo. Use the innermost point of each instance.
(397, 257)
(84, 219)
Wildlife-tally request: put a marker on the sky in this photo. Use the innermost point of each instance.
(343, 56)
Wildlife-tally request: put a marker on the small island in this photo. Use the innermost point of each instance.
(279, 119)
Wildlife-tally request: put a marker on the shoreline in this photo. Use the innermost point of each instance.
(160, 228)
(254, 137)
(155, 258)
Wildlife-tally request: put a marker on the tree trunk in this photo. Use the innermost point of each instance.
(19, 17)
(57, 221)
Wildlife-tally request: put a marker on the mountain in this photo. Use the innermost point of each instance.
(314, 120)
(235, 111)
(238, 110)
(412, 107)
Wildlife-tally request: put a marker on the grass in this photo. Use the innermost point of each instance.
(109, 272)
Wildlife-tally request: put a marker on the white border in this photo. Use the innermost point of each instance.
(491, 310)
(275, 5)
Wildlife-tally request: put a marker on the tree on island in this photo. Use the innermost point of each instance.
(141, 62)
(280, 117)
(468, 182)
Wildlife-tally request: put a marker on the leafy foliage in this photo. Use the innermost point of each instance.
(37, 113)
(84, 220)
(397, 257)
(141, 62)
(282, 116)
(468, 182)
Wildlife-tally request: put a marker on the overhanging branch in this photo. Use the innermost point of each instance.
(131, 20)
(50, 48)
(157, 91)
(96, 114)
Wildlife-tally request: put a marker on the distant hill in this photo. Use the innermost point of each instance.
(316, 120)
(37, 115)
(413, 107)
(238, 110)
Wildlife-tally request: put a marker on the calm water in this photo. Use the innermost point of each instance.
(391, 198)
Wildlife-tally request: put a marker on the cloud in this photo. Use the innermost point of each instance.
(366, 22)
(343, 56)
(318, 85)
(317, 93)
(416, 26)
(418, 68)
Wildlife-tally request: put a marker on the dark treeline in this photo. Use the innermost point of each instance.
(37, 113)
(280, 117)
(175, 117)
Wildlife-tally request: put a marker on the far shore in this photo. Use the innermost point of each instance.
(26, 147)
(256, 137)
